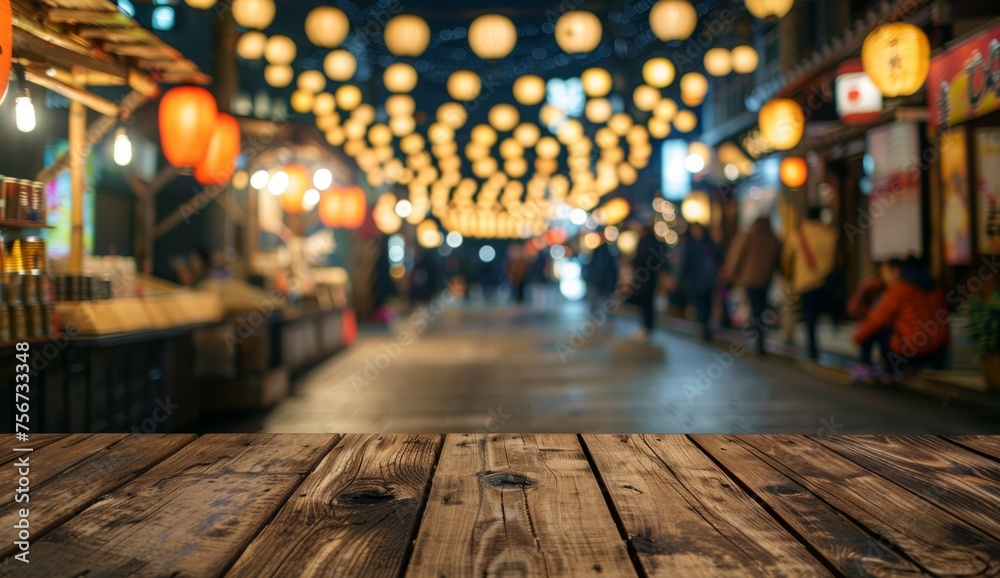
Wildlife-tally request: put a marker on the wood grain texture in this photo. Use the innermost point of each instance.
(354, 516)
(685, 517)
(929, 536)
(519, 505)
(963, 483)
(987, 445)
(53, 459)
(59, 498)
(836, 538)
(191, 515)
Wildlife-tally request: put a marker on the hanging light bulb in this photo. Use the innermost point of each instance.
(24, 112)
(122, 148)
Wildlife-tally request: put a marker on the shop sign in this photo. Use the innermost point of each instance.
(858, 100)
(894, 214)
(964, 82)
(988, 189)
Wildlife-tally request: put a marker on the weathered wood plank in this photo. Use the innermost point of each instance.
(685, 517)
(963, 483)
(987, 445)
(519, 505)
(842, 543)
(354, 516)
(191, 515)
(59, 498)
(929, 536)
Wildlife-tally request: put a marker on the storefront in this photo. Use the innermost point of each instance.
(963, 89)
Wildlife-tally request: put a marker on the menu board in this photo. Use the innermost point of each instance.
(988, 189)
(894, 214)
(956, 224)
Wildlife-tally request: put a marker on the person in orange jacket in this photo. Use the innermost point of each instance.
(909, 322)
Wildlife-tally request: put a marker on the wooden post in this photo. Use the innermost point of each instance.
(78, 182)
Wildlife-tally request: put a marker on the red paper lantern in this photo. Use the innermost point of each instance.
(299, 181)
(343, 207)
(794, 172)
(350, 326)
(6, 45)
(555, 236)
(187, 121)
(219, 162)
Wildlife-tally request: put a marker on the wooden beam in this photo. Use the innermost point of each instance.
(74, 93)
(91, 17)
(78, 182)
(42, 49)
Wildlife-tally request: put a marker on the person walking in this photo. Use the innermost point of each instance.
(809, 258)
(601, 274)
(699, 274)
(752, 259)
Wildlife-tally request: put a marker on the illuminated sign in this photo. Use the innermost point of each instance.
(964, 82)
(859, 101)
(675, 180)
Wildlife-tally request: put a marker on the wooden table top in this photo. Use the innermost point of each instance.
(517, 504)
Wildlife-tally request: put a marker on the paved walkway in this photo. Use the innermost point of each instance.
(469, 368)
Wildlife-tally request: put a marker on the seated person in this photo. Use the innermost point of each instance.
(909, 322)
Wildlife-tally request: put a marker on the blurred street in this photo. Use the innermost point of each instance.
(500, 369)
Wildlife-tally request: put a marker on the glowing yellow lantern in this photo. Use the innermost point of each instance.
(400, 105)
(400, 77)
(340, 65)
(718, 61)
(645, 97)
(379, 135)
(897, 57)
(348, 97)
(694, 86)
(491, 37)
(324, 104)
(620, 123)
(673, 19)
(745, 59)
(665, 109)
(336, 136)
(278, 75)
(407, 35)
(452, 114)
(547, 148)
(364, 113)
(578, 32)
(256, 14)
(251, 44)
(402, 125)
(782, 122)
(697, 208)
(596, 82)
(527, 134)
(464, 85)
(551, 115)
(279, 49)
(659, 127)
(483, 135)
(769, 9)
(311, 81)
(529, 89)
(613, 212)
(658, 72)
(504, 117)
(327, 26)
(598, 110)
(302, 101)
(685, 121)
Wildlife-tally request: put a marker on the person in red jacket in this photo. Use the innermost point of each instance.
(909, 322)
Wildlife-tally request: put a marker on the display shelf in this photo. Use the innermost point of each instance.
(17, 224)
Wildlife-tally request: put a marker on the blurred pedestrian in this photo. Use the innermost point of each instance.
(751, 262)
(601, 273)
(518, 264)
(649, 261)
(809, 258)
(699, 274)
(909, 323)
